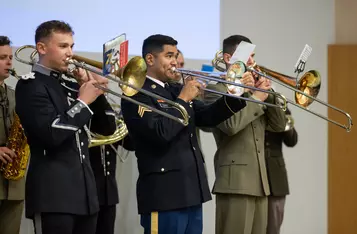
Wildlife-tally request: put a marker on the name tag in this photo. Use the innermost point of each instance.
(165, 105)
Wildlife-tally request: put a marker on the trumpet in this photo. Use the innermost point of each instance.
(229, 78)
(306, 89)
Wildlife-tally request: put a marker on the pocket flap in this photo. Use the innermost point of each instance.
(234, 161)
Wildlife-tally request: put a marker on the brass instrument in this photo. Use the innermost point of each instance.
(306, 89)
(130, 79)
(17, 142)
(229, 78)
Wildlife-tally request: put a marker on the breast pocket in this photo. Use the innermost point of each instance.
(230, 171)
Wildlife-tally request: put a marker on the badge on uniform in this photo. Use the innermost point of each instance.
(31, 75)
(142, 109)
(164, 104)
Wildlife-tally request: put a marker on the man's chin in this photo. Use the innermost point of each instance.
(172, 77)
(4, 76)
(63, 69)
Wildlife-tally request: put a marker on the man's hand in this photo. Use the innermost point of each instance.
(247, 80)
(6, 155)
(191, 89)
(264, 84)
(82, 76)
(88, 92)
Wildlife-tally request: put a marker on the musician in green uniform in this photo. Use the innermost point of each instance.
(11, 191)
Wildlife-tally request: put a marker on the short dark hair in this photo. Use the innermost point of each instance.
(45, 29)
(230, 43)
(180, 52)
(155, 44)
(4, 41)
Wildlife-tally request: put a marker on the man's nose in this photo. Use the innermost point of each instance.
(70, 52)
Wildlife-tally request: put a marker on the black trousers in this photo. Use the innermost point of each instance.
(106, 220)
(60, 223)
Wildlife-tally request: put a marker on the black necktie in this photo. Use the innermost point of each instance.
(168, 89)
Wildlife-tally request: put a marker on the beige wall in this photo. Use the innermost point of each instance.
(345, 21)
(342, 207)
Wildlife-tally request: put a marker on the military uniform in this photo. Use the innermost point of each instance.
(241, 184)
(104, 161)
(12, 193)
(61, 193)
(172, 183)
(277, 174)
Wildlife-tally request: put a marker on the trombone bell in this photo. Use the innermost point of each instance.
(133, 73)
(310, 84)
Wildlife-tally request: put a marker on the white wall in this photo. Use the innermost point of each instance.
(280, 29)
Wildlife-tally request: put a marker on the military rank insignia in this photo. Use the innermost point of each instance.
(142, 109)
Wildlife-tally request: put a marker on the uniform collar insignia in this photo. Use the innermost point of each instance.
(46, 71)
(31, 75)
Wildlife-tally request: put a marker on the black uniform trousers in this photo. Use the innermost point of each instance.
(104, 161)
(62, 223)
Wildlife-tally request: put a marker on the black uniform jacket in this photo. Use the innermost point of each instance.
(60, 177)
(104, 161)
(276, 168)
(171, 166)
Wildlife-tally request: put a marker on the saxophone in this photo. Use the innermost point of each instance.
(17, 142)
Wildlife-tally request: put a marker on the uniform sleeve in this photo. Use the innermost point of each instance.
(275, 116)
(240, 119)
(153, 127)
(103, 120)
(216, 112)
(290, 137)
(40, 118)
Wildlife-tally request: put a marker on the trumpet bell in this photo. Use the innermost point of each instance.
(134, 73)
(310, 84)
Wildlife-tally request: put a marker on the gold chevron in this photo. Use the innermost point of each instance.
(142, 109)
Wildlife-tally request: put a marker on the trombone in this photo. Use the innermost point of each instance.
(306, 89)
(229, 78)
(130, 79)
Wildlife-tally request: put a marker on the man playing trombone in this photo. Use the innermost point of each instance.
(241, 186)
(61, 194)
(172, 183)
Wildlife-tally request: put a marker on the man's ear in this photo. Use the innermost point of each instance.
(41, 48)
(227, 57)
(150, 59)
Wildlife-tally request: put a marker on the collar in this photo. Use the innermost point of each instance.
(46, 71)
(159, 82)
